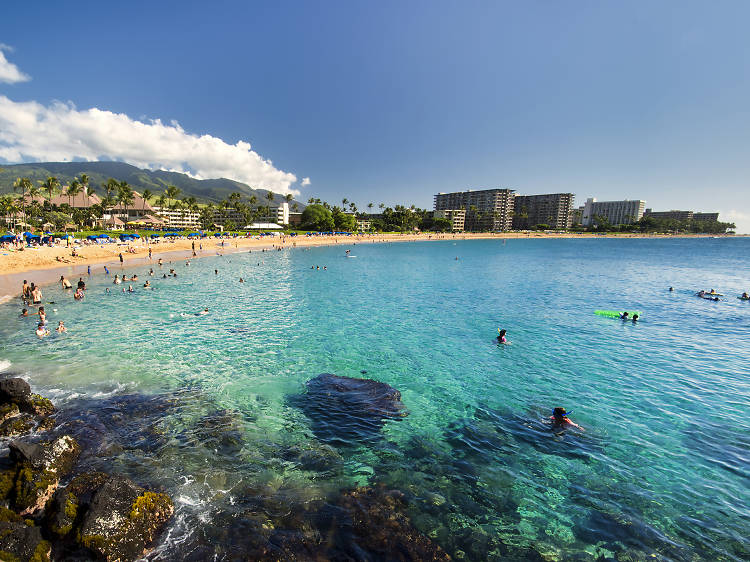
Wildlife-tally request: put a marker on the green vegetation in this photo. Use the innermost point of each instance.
(649, 224)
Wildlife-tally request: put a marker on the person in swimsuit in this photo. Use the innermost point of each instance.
(41, 330)
(64, 283)
(61, 327)
(81, 284)
(36, 296)
(560, 418)
(25, 290)
(24, 312)
(635, 318)
(42, 315)
(624, 315)
(501, 336)
(79, 295)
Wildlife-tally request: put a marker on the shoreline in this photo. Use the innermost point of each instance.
(43, 265)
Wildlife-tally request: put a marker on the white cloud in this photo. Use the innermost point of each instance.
(9, 72)
(305, 182)
(742, 220)
(60, 132)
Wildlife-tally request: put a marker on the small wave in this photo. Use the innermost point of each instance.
(4, 365)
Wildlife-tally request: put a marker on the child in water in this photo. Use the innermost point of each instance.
(560, 418)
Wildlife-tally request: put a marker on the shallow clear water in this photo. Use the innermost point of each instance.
(663, 466)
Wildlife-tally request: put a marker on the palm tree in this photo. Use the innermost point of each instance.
(125, 197)
(344, 201)
(25, 185)
(288, 197)
(73, 189)
(295, 207)
(369, 207)
(110, 187)
(84, 181)
(146, 196)
(50, 186)
(381, 206)
(172, 192)
(33, 205)
(161, 201)
(311, 201)
(269, 196)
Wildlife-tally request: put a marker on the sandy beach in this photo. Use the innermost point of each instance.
(45, 264)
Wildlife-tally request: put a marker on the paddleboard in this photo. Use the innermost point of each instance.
(616, 313)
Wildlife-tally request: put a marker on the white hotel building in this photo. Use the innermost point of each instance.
(616, 212)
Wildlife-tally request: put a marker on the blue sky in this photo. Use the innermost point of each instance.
(395, 101)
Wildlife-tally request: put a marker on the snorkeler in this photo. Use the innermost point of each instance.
(501, 336)
(624, 315)
(635, 318)
(560, 418)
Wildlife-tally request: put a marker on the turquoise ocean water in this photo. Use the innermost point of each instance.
(202, 406)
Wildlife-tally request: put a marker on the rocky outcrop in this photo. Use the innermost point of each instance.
(345, 410)
(22, 411)
(37, 471)
(20, 540)
(121, 519)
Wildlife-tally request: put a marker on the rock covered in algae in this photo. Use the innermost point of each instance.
(38, 469)
(346, 410)
(21, 542)
(122, 519)
(21, 411)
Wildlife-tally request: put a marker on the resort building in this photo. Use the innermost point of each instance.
(670, 215)
(457, 217)
(615, 212)
(706, 217)
(552, 209)
(682, 215)
(363, 225)
(178, 218)
(486, 209)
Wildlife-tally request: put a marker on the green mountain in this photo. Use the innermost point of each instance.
(205, 191)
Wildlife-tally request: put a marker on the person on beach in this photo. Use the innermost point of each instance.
(501, 336)
(25, 312)
(89, 270)
(121, 259)
(106, 271)
(61, 327)
(64, 283)
(36, 296)
(560, 418)
(41, 330)
(149, 253)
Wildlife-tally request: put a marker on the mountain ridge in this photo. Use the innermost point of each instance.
(208, 190)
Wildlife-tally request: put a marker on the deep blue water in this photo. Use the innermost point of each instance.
(662, 468)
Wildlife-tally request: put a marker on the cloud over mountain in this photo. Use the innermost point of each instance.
(61, 132)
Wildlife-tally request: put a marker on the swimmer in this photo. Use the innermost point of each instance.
(61, 327)
(560, 418)
(130, 289)
(164, 276)
(42, 315)
(242, 280)
(117, 280)
(745, 296)
(624, 315)
(64, 283)
(159, 262)
(635, 318)
(202, 312)
(81, 284)
(134, 277)
(147, 284)
(501, 336)
(41, 330)
(79, 295)
(106, 271)
(216, 271)
(151, 271)
(106, 290)
(24, 312)
(671, 289)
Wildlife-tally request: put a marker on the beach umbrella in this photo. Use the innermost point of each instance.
(136, 235)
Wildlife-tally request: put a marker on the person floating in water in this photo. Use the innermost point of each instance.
(635, 318)
(745, 296)
(41, 330)
(25, 312)
(624, 315)
(560, 418)
(61, 327)
(79, 295)
(671, 289)
(501, 336)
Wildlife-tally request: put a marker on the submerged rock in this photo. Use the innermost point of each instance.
(345, 410)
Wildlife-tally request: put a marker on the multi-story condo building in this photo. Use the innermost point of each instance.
(671, 215)
(486, 209)
(552, 209)
(706, 217)
(457, 217)
(616, 212)
(179, 218)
